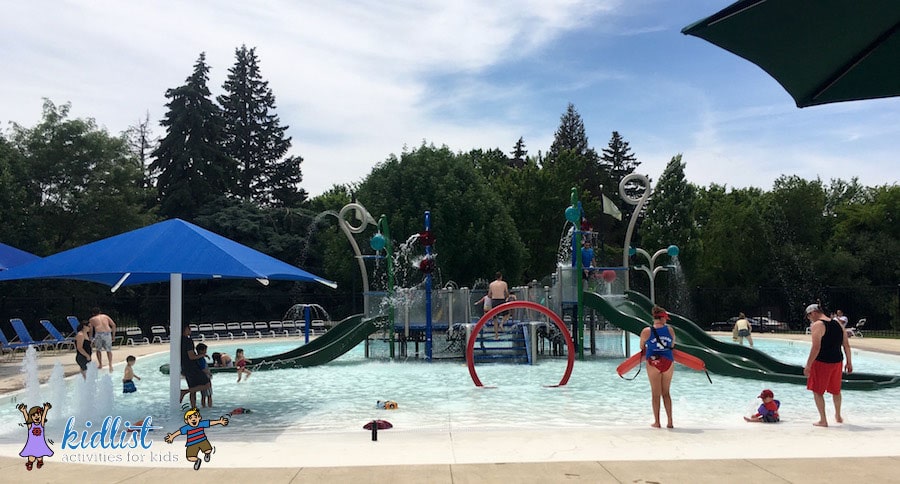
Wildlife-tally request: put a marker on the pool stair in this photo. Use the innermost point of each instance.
(510, 346)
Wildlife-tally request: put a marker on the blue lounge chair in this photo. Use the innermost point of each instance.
(73, 322)
(11, 348)
(56, 337)
(25, 337)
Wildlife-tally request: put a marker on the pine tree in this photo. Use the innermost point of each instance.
(573, 162)
(254, 137)
(570, 137)
(284, 187)
(193, 169)
(518, 154)
(618, 160)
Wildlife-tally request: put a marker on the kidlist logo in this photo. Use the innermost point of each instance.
(113, 433)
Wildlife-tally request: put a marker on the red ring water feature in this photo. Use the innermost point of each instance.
(470, 345)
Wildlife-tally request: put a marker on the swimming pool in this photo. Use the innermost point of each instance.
(341, 396)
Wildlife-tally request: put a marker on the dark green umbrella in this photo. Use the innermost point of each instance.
(820, 51)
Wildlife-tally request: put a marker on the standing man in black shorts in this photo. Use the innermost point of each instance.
(498, 292)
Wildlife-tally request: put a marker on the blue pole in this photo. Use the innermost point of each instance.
(308, 317)
(428, 329)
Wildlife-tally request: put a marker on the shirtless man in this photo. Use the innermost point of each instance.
(104, 328)
(498, 292)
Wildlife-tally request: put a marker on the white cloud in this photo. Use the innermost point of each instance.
(358, 80)
(350, 78)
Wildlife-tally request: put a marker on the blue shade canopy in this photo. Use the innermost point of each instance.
(152, 253)
(11, 257)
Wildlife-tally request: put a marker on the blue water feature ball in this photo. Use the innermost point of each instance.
(572, 214)
(672, 251)
(377, 242)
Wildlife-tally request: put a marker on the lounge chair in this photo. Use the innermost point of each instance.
(56, 337)
(134, 336)
(10, 348)
(277, 328)
(262, 328)
(221, 330)
(25, 337)
(206, 332)
(235, 331)
(73, 322)
(248, 328)
(159, 334)
(291, 328)
(855, 330)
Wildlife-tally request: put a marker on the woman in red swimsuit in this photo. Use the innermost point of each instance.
(657, 342)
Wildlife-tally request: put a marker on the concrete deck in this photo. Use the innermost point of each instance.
(863, 469)
(788, 452)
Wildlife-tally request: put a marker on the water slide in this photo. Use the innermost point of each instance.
(338, 340)
(631, 313)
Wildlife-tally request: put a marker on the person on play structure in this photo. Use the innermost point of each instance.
(657, 343)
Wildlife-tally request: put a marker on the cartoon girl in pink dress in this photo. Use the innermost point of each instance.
(36, 447)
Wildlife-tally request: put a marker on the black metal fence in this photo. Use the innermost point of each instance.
(879, 305)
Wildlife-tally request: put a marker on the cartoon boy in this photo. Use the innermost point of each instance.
(196, 437)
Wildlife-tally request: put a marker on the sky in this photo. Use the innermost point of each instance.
(359, 80)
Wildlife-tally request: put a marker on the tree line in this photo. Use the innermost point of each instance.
(222, 163)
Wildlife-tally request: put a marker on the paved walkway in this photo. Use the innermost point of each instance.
(863, 470)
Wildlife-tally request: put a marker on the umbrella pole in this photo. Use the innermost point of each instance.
(175, 341)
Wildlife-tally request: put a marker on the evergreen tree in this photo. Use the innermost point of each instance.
(618, 162)
(193, 169)
(518, 154)
(254, 137)
(570, 137)
(284, 186)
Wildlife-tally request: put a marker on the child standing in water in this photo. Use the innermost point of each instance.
(241, 364)
(36, 447)
(129, 376)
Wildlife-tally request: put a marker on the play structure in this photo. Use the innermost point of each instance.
(588, 309)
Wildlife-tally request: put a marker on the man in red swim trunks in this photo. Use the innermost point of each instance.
(823, 367)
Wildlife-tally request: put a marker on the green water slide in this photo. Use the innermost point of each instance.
(631, 313)
(340, 339)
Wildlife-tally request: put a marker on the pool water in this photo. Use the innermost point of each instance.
(341, 396)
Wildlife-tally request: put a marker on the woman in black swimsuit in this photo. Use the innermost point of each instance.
(83, 347)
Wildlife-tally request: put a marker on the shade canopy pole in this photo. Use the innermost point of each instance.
(175, 349)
